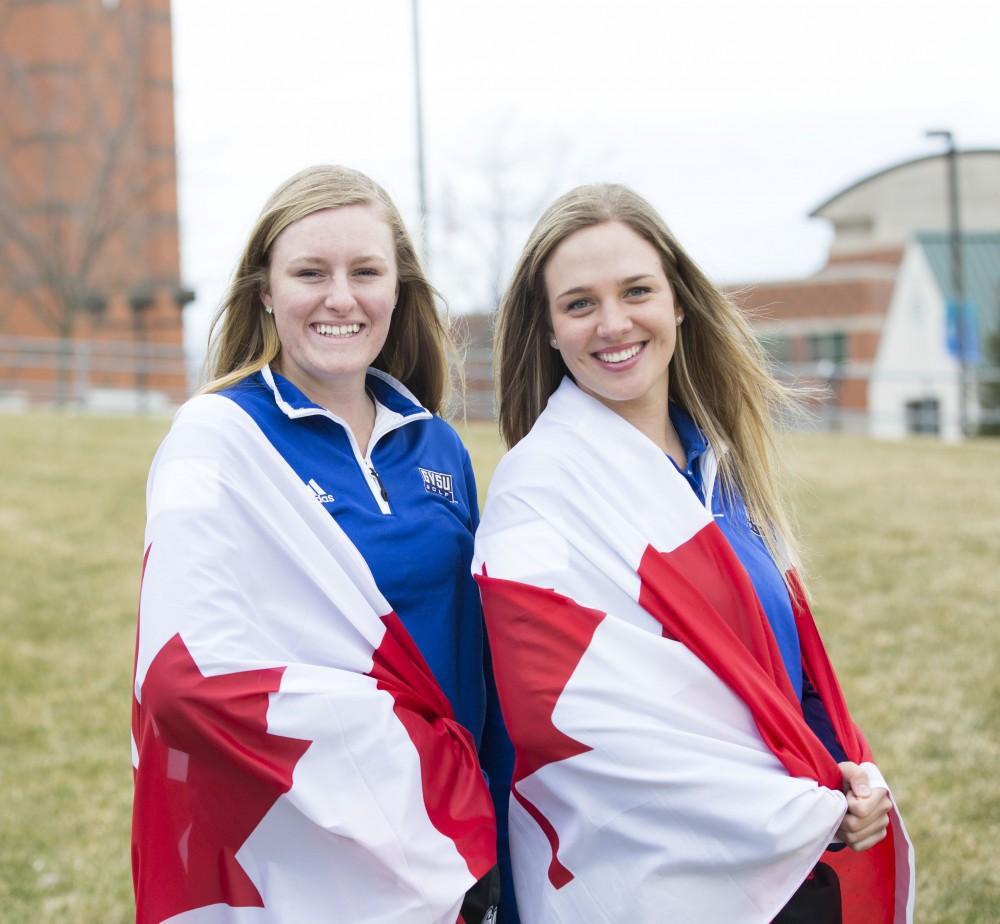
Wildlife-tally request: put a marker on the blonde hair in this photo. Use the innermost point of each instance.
(718, 373)
(243, 337)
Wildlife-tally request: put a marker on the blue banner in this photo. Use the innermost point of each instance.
(965, 314)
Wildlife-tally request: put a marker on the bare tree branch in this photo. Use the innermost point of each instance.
(90, 125)
(489, 203)
(63, 242)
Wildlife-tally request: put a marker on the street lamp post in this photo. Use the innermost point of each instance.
(421, 166)
(957, 279)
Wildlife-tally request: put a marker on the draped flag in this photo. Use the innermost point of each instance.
(295, 759)
(664, 771)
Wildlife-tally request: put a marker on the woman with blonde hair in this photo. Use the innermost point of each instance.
(311, 686)
(683, 749)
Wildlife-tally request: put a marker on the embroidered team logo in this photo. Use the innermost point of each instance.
(321, 495)
(439, 483)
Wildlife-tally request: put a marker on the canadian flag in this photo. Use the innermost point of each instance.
(664, 770)
(295, 760)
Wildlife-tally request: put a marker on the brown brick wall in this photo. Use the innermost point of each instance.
(889, 255)
(862, 345)
(816, 299)
(826, 301)
(853, 394)
(78, 81)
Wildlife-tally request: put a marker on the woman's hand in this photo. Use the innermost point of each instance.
(867, 817)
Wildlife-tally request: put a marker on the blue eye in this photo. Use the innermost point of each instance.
(637, 291)
(577, 305)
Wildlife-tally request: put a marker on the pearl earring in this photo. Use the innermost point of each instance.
(679, 318)
(269, 309)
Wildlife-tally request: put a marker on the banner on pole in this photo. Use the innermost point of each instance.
(962, 330)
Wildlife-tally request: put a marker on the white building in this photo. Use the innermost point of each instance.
(916, 379)
(870, 326)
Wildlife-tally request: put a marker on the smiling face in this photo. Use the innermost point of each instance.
(332, 285)
(613, 317)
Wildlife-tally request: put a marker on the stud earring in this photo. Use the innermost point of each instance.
(678, 318)
(553, 343)
(269, 309)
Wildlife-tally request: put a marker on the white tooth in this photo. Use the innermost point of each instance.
(619, 355)
(337, 330)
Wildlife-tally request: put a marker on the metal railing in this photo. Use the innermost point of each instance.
(118, 376)
(95, 375)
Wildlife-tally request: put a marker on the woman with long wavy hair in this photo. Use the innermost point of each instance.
(312, 693)
(683, 749)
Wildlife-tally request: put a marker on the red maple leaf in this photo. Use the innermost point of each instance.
(702, 596)
(538, 638)
(208, 773)
(456, 797)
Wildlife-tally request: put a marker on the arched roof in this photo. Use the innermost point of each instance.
(885, 171)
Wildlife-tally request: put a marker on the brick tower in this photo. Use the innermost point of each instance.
(90, 289)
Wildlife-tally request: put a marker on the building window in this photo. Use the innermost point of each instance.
(831, 347)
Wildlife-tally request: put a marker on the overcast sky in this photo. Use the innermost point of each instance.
(734, 117)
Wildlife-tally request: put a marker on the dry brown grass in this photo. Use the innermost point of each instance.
(905, 553)
(905, 546)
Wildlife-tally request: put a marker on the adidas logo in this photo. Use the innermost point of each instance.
(321, 495)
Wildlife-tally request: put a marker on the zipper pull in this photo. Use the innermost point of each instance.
(378, 480)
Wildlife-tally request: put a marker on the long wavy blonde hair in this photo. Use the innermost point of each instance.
(243, 337)
(718, 373)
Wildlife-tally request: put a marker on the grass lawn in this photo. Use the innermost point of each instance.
(904, 558)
